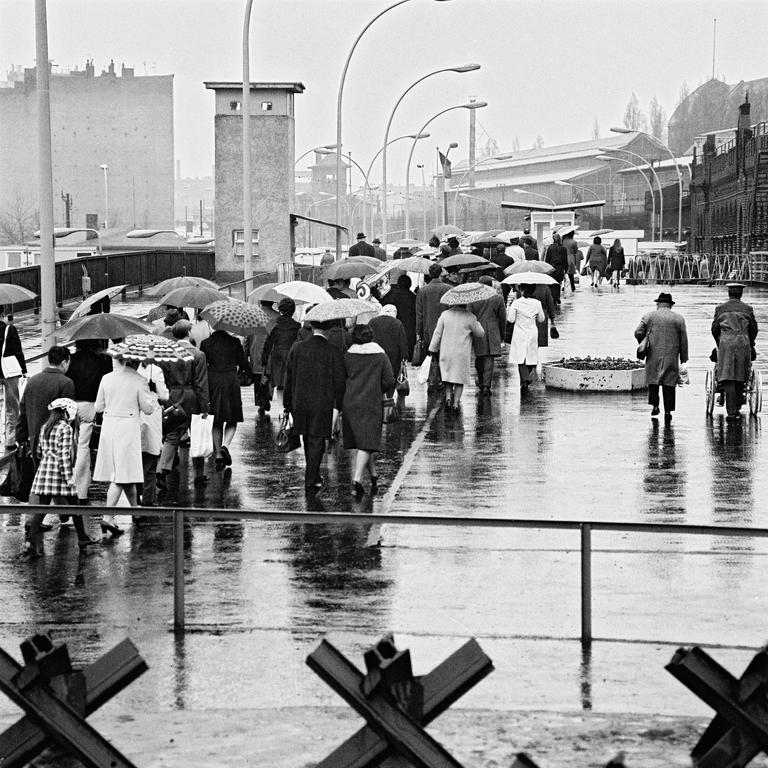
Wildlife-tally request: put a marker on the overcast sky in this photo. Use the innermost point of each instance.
(549, 68)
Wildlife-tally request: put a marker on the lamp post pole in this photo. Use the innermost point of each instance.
(424, 197)
(245, 108)
(105, 168)
(608, 159)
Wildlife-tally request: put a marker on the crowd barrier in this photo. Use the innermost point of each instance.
(697, 268)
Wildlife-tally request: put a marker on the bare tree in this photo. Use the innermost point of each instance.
(684, 93)
(657, 118)
(634, 119)
(595, 130)
(515, 143)
(18, 221)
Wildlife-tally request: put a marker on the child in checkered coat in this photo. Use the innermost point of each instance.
(54, 479)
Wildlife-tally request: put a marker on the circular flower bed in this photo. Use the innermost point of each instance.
(599, 364)
(595, 374)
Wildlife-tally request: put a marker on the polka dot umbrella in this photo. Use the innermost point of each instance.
(235, 316)
(150, 348)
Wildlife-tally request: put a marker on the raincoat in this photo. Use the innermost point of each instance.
(524, 347)
(734, 329)
(668, 346)
(452, 340)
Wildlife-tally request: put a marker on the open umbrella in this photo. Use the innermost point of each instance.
(105, 325)
(529, 266)
(411, 264)
(197, 296)
(235, 316)
(467, 293)
(14, 294)
(371, 261)
(529, 278)
(448, 229)
(348, 268)
(486, 240)
(148, 348)
(339, 310)
(95, 298)
(406, 242)
(182, 281)
(462, 260)
(510, 234)
(156, 313)
(265, 292)
(303, 292)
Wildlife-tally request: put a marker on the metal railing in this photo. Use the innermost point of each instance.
(584, 527)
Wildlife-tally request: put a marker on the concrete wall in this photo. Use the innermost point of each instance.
(125, 122)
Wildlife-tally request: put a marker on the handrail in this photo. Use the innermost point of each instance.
(585, 527)
(244, 281)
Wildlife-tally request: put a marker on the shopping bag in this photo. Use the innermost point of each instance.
(402, 386)
(200, 437)
(422, 376)
(17, 482)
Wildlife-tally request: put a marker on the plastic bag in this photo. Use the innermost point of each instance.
(200, 437)
(683, 377)
(423, 373)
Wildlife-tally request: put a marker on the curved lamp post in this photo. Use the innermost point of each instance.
(608, 159)
(535, 194)
(309, 151)
(245, 109)
(339, 144)
(469, 105)
(467, 172)
(461, 69)
(661, 145)
(140, 234)
(587, 189)
(658, 184)
(366, 185)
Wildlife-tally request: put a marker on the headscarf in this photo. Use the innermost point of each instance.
(388, 309)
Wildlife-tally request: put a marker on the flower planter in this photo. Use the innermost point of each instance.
(593, 380)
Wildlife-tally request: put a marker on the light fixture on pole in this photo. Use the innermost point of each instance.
(461, 69)
(420, 166)
(339, 97)
(592, 192)
(59, 232)
(535, 194)
(443, 163)
(655, 176)
(139, 234)
(309, 151)
(245, 110)
(469, 105)
(359, 168)
(663, 146)
(104, 167)
(609, 159)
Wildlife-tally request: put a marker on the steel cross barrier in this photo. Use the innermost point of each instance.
(584, 527)
(739, 731)
(57, 700)
(396, 704)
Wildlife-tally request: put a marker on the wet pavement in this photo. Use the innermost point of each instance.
(260, 596)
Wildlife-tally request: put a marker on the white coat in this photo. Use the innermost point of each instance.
(524, 347)
(152, 423)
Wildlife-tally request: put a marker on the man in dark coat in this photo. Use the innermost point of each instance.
(11, 348)
(361, 248)
(667, 343)
(389, 334)
(557, 257)
(315, 379)
(401, 297)
(428, 310)
(378, 251)
(531, 252)
(492, 315)
(734, 329)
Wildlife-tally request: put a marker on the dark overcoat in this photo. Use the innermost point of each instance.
(12, 346)
(734, 329)
(557, 257)
(492, 315)
(277, 345)
(187, 380)
(226, 359)
(667, 343)
(389, 334)
(544, 295)
(41, 389)
(429, 308)
(315, 378)
(369, 376)
(405, 301)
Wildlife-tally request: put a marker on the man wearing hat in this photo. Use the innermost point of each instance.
(734, 329)
(378, 251)
(361, 248)
(667, 347)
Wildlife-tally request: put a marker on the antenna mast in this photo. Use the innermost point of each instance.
(714, 39)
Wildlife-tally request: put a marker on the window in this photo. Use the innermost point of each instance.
(234, 106)
(266, 106)
(237, 242)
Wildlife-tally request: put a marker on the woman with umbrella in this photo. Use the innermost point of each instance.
(369, 378)
(278, 344)
(524, 313)
(452, 340)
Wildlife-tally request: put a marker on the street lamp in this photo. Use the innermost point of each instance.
(461, 69)
(245, 109)
(420, 166)
(366, 185)
(136, 234)
(663, 146)
(608, 159)
(339, 144)
(658, 184)
(535, 194)
(104, 167)
(65, 231)
(469, 105)
(587, 189)
(309, 151)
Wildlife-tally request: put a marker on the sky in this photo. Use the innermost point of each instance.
(550, 68)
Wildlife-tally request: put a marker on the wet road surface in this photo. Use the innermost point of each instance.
(259, 596)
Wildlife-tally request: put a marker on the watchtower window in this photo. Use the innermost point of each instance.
(234, 106)
(266, 106)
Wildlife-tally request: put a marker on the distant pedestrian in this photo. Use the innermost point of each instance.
(163, 326)
(327, 259)
(454, 245)
(314, 386)
(557, 257)
(369, 379)
(573, 255)
(530, 250)
(361, 247)
(12, 368)
(434, 242)
(524, 313)
(428, 310)
(667, 342)
(616, 263)
(404, 300)
(597, 261)
(254, 346)
(340, 289)
(492, 316)
(201, 330)
(379, 252)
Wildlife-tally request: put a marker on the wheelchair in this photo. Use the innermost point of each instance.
(753, 391)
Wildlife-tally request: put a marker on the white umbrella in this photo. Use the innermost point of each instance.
(530, 278)
(94, 298)
(304, 292)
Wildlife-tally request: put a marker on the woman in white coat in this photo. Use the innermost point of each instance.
(123, 395)
(524, 347)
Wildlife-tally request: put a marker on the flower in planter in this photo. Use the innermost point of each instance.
(599, 364)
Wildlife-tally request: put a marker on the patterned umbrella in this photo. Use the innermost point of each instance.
(105, 325)
(339, 310)
(94, 298)
(148, 348)
(303, 292)
(467, 293)
(13, 294)
(235, 316)
(348, 268)
(197, 296)
(448, 229)
(172, 283)
(529, 266)
(530, 278)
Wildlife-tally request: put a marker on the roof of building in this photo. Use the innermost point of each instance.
(216, 85)
(523, 179)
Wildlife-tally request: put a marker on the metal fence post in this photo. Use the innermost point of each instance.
(178, 569)
(586, 583)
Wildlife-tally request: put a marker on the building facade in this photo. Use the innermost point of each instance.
(121, 121)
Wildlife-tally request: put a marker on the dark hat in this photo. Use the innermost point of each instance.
(375, 240)
(485, 280)
(665, 298)
(361, 235)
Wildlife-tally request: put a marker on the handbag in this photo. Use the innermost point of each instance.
(263, 393)
(553, 332)
(403, 387)
(20, 476)
(287, 438)
(11, 366)
(174, 416)
(419, 353)
(245, 378)
(390, 414)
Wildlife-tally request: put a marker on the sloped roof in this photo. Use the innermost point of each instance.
(524, 179)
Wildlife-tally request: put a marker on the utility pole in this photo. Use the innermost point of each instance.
(472, 133)
(201, 218)
(67, 198)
